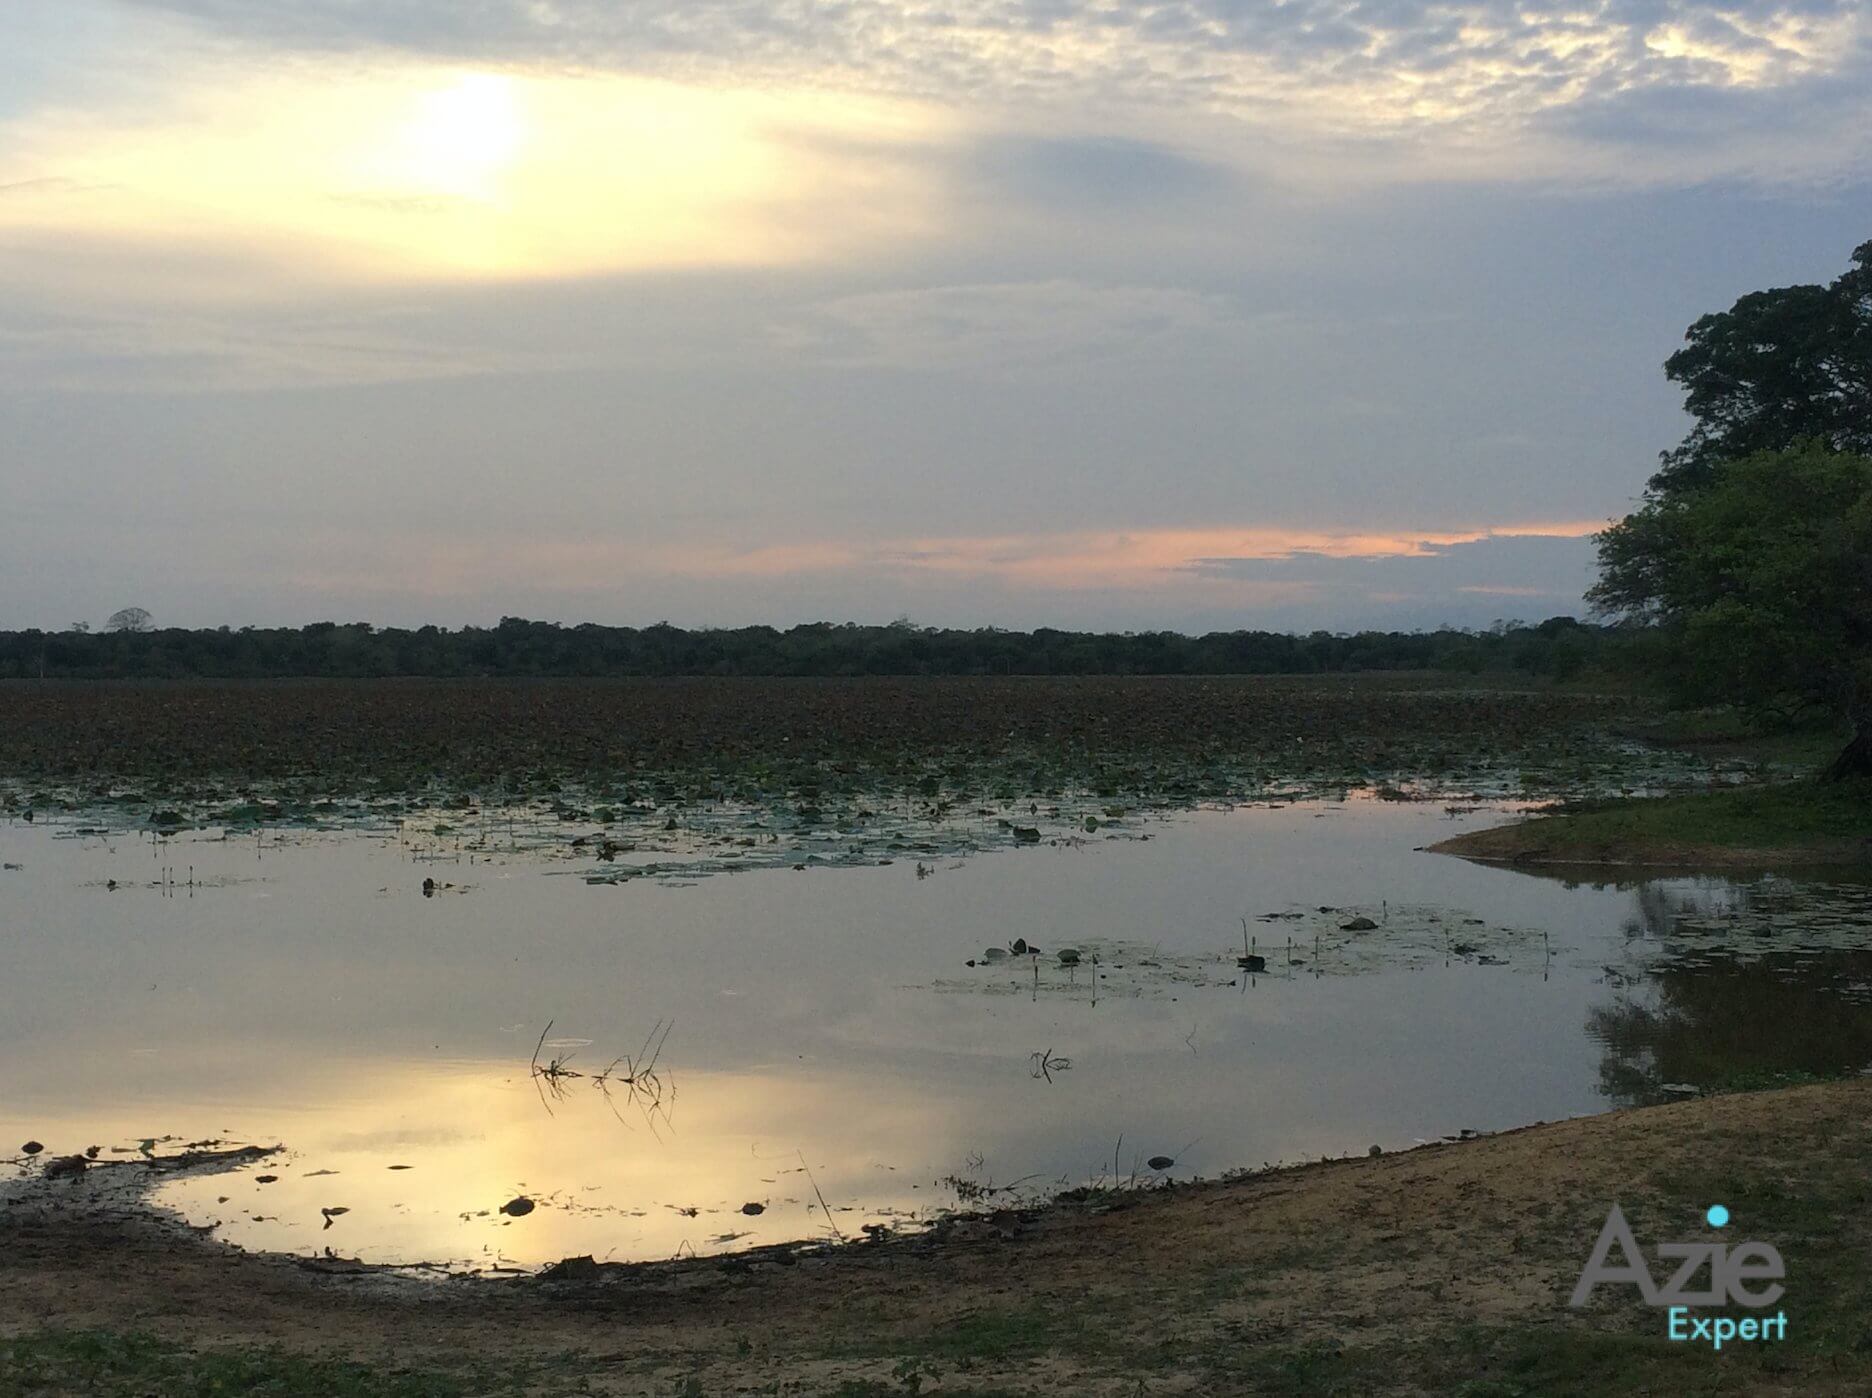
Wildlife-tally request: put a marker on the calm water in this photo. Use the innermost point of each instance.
(302, 990)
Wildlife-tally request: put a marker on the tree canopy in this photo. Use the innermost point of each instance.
(1790, 364)
(1762, 576)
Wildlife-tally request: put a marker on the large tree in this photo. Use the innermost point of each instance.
(1761, 581)
(1778, 367)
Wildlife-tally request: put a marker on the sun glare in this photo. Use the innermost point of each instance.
(459, 173)
(460, 138)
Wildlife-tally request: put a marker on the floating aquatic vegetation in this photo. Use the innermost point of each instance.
(1330, 941)
(456, 768)
(171, 882)
(1354, 940)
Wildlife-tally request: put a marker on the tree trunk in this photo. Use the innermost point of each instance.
(1856, 760)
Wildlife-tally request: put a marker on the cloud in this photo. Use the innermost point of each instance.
(991, 326)
(45, 184)
(1451, 577)
(1009, 310)
(207, 353)
(1092, 173)
(394, 170)
(1326, 68)
(1128, 558)
(1097, 579)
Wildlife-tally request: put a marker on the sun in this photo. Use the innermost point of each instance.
(460, 137)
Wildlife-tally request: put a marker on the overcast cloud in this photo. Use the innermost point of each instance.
(1188, 314)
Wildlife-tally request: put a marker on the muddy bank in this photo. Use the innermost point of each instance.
(1401, 1273)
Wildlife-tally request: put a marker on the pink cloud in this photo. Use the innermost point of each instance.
(1079, 560)
(1115, 558)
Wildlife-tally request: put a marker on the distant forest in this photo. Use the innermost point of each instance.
(1559, 648)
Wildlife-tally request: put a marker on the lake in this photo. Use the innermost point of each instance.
(677, 1062)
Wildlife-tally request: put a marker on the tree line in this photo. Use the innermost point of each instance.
(1558, 648)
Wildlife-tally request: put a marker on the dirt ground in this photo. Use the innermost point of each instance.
(1417, 1272)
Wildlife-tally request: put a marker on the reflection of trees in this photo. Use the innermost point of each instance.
(1664, 908)
(1654, 910)
(1706, 1016)
(1718, 1021)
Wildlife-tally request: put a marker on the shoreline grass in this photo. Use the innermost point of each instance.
(1788, 824)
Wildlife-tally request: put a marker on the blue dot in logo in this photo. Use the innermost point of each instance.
(1717, 1216)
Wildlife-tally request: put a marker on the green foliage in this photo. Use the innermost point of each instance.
(1761, 581)
(134, 1366)
(1754, 549)
(1777, 367)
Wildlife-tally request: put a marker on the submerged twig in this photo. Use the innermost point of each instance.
(824, 1207)
(647, 1089)
(1046, 1063)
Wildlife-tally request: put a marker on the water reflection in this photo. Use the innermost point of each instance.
(630, 1080)
(421, 1160)
(820, 1033)
(1745, 983)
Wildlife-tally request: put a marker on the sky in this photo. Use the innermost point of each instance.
(1191, 314)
